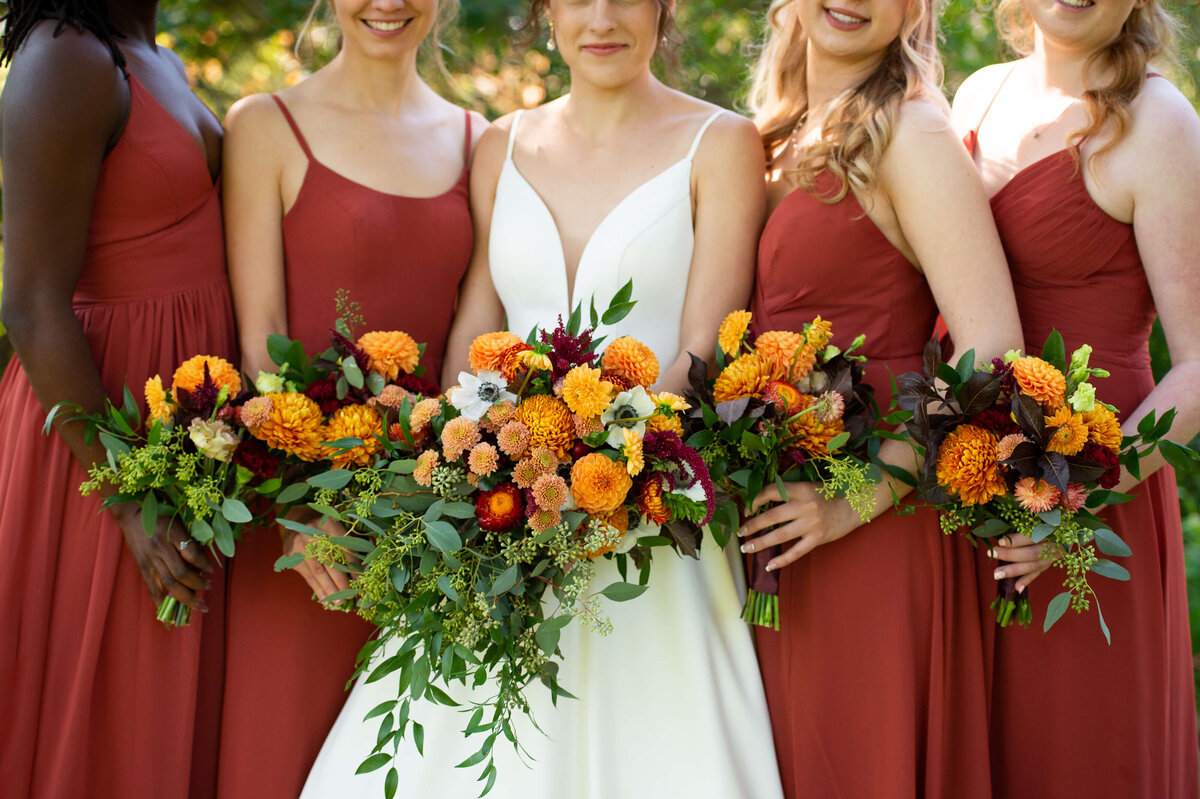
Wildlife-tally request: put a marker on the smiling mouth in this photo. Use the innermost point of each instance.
(1077, 3)
(387, 26)
(845, 17)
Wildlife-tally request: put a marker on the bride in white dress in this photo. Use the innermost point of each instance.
(622, 178)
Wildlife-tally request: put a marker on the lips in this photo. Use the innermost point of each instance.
(604, 49)
(845, 19)
(1077, 3)
(387, 25)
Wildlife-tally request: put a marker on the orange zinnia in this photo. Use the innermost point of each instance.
(633, 360)
(598, 484)
(190, 374)
(487, 351)
(1040, 380)
(745, 377)
(733, 330)
(390, 352)
(549, 421)
(1071, 434)
(967, 465)
(354, 421)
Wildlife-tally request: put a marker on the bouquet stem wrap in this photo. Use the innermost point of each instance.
(762, 600)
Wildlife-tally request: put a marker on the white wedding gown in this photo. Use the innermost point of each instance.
(671, 704)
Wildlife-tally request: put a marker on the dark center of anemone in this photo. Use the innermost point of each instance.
(489, 392)
(626, 412)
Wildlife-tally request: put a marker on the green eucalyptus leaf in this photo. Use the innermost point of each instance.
(1057, 607)
(623, 592)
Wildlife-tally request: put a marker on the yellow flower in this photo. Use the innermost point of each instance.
(635, 460)
(535, 360)
(629, 358)
(967, 466)
(190, 375)
(733, 331)
(487, 351)
(819, 333)
(665, 423)
(390, 352)
(585, 393)
(598, 484)
(1104, 428)
(1071, 434)
(294, 426)
(650, 501)
(156, 400)
(549, 421)
(813, 432)
(1040, 380)
(745, 377)
(669, 401)
(354, 421)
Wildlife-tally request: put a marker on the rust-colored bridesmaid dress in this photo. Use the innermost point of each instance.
(97, 698)
(288, 659)
(1071, 715)
(875, 683)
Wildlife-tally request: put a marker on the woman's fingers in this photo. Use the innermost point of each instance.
(802, 547)
(340, 579)
(767, 519)
(1019, 554)
(317, 578)
(1005, 570)
(786, 532)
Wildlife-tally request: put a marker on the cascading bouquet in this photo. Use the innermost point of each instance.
(479, 524)
(193, 461)
(786, 407)
(1022, 444)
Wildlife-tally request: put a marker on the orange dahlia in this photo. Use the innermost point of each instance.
(190, 374)
(353, 421)
(1040, 380)
(1104, 428)
(631, 448)
(650, 501)
(1071, 434)
(598, 484)
(294, 426)
(585, 393)
(487, 350)
(787, 352)
(633, 360)
(819, 333)
(549, 421)
(733, 330)
(967, 466)
(665, 423)
(813, 432)
(390, 352)
(156, 400)
(745, 377)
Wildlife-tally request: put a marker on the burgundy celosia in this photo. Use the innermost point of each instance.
(668, 446)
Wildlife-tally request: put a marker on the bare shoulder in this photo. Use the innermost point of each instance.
(255, 115)
(922, 127)
(1162, 114)
(732, 139)
(173, 58)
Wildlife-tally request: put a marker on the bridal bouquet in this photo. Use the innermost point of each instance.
(1023, 444)
(480, 521)
(193, 460)
(787, 406)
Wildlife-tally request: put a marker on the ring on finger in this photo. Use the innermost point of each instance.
(185, 544)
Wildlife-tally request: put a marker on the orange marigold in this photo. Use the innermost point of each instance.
(967, 466)
(745, 377)
(1040, 380)
(487, 350)
(390, 352)
(353, 421)
(1071, 434)
(294, 426)
(1104, 428)
(813, 433)
(156, 400)
(549, 421)
(631, 359)
(598, 484)
(585, 393)
(733, 330)
(190, 374)
(650, 501)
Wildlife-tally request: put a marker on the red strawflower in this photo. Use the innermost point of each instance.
(500, 509)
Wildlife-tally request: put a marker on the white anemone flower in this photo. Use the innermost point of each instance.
(474, 394)
(633, 534)
(629, 405)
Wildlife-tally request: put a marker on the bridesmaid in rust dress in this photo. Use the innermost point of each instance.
(114, 271)
(876, 681)
(354, 179)
(1092, 162)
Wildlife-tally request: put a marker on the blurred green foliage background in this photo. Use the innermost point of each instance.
(237, 47)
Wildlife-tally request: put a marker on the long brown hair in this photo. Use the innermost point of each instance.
(860, 122)
(1149, 34)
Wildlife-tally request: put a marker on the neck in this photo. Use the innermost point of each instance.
(828, 76)
(1057, 69)
(137, 20)
(374, 84)
(597, 112)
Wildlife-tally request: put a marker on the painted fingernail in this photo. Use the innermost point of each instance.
(203, 608)
(770, 567)
(747, 547)
(1020, 589)
(999, 575)
(991, 553)
(741, 531)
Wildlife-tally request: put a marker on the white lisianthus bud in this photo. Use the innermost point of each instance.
(215, 440)
(1084, 398)
(268, 383)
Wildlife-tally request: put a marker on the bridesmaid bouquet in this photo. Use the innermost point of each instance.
(786, 407)
(193, 460)
(481, 518)
(1023, 444)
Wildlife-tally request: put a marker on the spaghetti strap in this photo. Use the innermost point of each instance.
(700, 134)
(467, 142)
(512, 133)
(972, 137)
(296, 128)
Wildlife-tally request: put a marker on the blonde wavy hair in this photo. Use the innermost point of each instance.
(859, 124)
(1149, 34)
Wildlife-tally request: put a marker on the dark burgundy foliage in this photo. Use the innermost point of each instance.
(667, 446)
(202, 401)
(568, 351)
(254, 455)
(344, 347)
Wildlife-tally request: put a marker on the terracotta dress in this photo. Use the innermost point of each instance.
(99, 699)
(289, 660)
(875, 683)
(1071, 715)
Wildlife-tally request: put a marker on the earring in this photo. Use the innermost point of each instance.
(551, 45)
